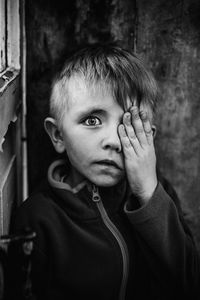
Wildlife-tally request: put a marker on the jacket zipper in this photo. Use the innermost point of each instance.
(118, 236)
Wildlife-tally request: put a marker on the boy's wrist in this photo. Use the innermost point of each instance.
(147, 192)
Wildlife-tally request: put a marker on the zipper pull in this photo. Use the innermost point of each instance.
(95, 194)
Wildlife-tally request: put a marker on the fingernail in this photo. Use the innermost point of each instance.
(127, 116)
(143, 113)
(134, 109)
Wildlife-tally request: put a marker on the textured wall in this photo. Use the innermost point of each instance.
(168, 37)
(166, 34)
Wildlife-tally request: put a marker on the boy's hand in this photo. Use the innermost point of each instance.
(139, 153)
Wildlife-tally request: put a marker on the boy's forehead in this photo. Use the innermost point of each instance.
(79, 88)
(75, 87)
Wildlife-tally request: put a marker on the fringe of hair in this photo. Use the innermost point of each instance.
(123, 71)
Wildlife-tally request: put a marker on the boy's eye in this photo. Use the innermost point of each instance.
(92, 121)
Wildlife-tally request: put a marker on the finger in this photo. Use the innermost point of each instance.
(147, 126)
(138, 126)
(126, 144)
(131, 133)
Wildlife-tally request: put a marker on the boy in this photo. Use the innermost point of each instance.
(106, 228)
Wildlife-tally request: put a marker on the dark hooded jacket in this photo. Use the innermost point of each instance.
(98, 243)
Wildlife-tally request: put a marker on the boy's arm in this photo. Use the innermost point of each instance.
(168, 247)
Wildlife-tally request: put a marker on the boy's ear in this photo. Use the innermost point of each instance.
(55, 134)
(154, 129)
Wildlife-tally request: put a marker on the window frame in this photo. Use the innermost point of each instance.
(3, 22)
(9, 77)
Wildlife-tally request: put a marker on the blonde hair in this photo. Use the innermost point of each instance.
(122, 71)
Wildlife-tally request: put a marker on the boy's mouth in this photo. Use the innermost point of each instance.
(108, 162)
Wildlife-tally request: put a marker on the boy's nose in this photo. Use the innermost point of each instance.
(111, 140)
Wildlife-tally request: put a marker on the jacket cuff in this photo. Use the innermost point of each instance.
(155, 207)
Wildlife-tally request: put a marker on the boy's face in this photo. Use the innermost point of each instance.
(90, 134)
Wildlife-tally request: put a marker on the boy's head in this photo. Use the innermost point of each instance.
(88, 99)
(110, 66)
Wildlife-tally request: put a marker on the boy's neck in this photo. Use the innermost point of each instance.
(74, 178)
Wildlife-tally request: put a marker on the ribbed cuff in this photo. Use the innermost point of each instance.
(155, 207)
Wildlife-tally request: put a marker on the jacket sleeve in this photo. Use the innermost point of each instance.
(161, 228)
(19, 268)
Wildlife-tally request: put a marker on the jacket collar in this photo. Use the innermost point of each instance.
(57, 175)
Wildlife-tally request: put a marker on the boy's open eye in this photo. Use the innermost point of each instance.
(92, 121)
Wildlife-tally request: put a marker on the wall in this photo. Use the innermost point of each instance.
(166, 34)
(168, 37)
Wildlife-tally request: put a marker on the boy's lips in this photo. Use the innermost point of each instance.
(109, 162)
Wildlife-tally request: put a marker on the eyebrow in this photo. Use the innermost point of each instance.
(90, 111)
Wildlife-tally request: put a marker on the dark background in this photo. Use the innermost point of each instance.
(167, 36)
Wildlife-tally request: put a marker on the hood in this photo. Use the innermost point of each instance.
(77, 200)
(57, 177)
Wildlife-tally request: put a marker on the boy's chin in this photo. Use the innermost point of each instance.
(106, 181)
